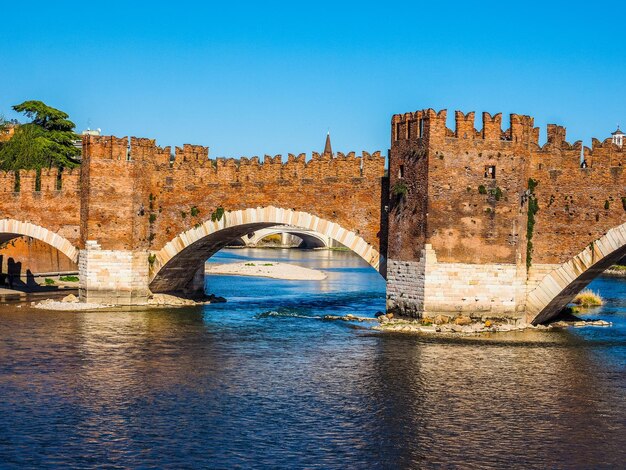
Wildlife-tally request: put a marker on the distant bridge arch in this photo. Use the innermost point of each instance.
(557, 289)
(175, 265)
(311, 238)
(11, 228)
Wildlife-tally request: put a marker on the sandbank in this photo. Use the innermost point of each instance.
(272, 270)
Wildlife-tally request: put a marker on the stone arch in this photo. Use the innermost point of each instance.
(176, 263)
(309, 237)
(558, 288)
(11, 228)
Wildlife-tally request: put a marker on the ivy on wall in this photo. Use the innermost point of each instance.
(533, 208)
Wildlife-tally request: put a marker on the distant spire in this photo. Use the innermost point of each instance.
(328, 150)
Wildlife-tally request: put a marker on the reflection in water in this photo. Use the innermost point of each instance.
(534, 403)
(230, 385)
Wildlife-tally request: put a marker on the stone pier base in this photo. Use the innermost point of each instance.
(113, 276)
(426, 288)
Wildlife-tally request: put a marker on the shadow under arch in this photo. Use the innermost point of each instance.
(11, 228)
(558, 288)
(176, 264)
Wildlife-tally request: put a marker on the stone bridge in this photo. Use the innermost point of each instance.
(137, 220)
(289, 237)
(482, 222)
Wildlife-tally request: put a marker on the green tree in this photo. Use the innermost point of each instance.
(46, 141)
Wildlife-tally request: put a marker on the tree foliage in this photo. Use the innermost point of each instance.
(47, 141)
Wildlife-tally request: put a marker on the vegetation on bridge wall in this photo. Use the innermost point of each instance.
(533, 208)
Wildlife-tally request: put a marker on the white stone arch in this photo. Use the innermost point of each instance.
(11, 228)
(560, 286)
(213, 235)
(298, 232)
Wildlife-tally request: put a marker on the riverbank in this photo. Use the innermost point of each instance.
(272, 270)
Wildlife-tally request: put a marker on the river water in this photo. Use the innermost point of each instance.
(262, 381)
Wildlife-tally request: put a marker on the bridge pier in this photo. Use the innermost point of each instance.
(118, 277)
(427, 288)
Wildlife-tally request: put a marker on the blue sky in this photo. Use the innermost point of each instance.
(250, 78)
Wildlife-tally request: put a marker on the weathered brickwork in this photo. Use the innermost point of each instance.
(577, 205)
(145, 199)
(50, 200)
(23, 255)
(450, 203)
(465, 193)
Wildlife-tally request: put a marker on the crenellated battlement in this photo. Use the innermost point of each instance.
(477, 209)
(195, 158)
(558, 153)
(40, 181)
(427, 128)
(430, 126)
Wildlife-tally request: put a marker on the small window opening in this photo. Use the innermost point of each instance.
(401, 171)
(490, 171)
(397, 131)
(421, 125)
(409, 126)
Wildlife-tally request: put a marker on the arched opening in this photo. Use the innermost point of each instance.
(287, 237)
(28, 252)
(558, 288)
(179, 264)
(297, 239)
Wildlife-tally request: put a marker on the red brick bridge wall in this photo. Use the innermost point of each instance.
(137, 198)
(577, 203)
(129, 194)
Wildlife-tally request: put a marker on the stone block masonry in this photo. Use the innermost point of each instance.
(113, 276)
(427, 288)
